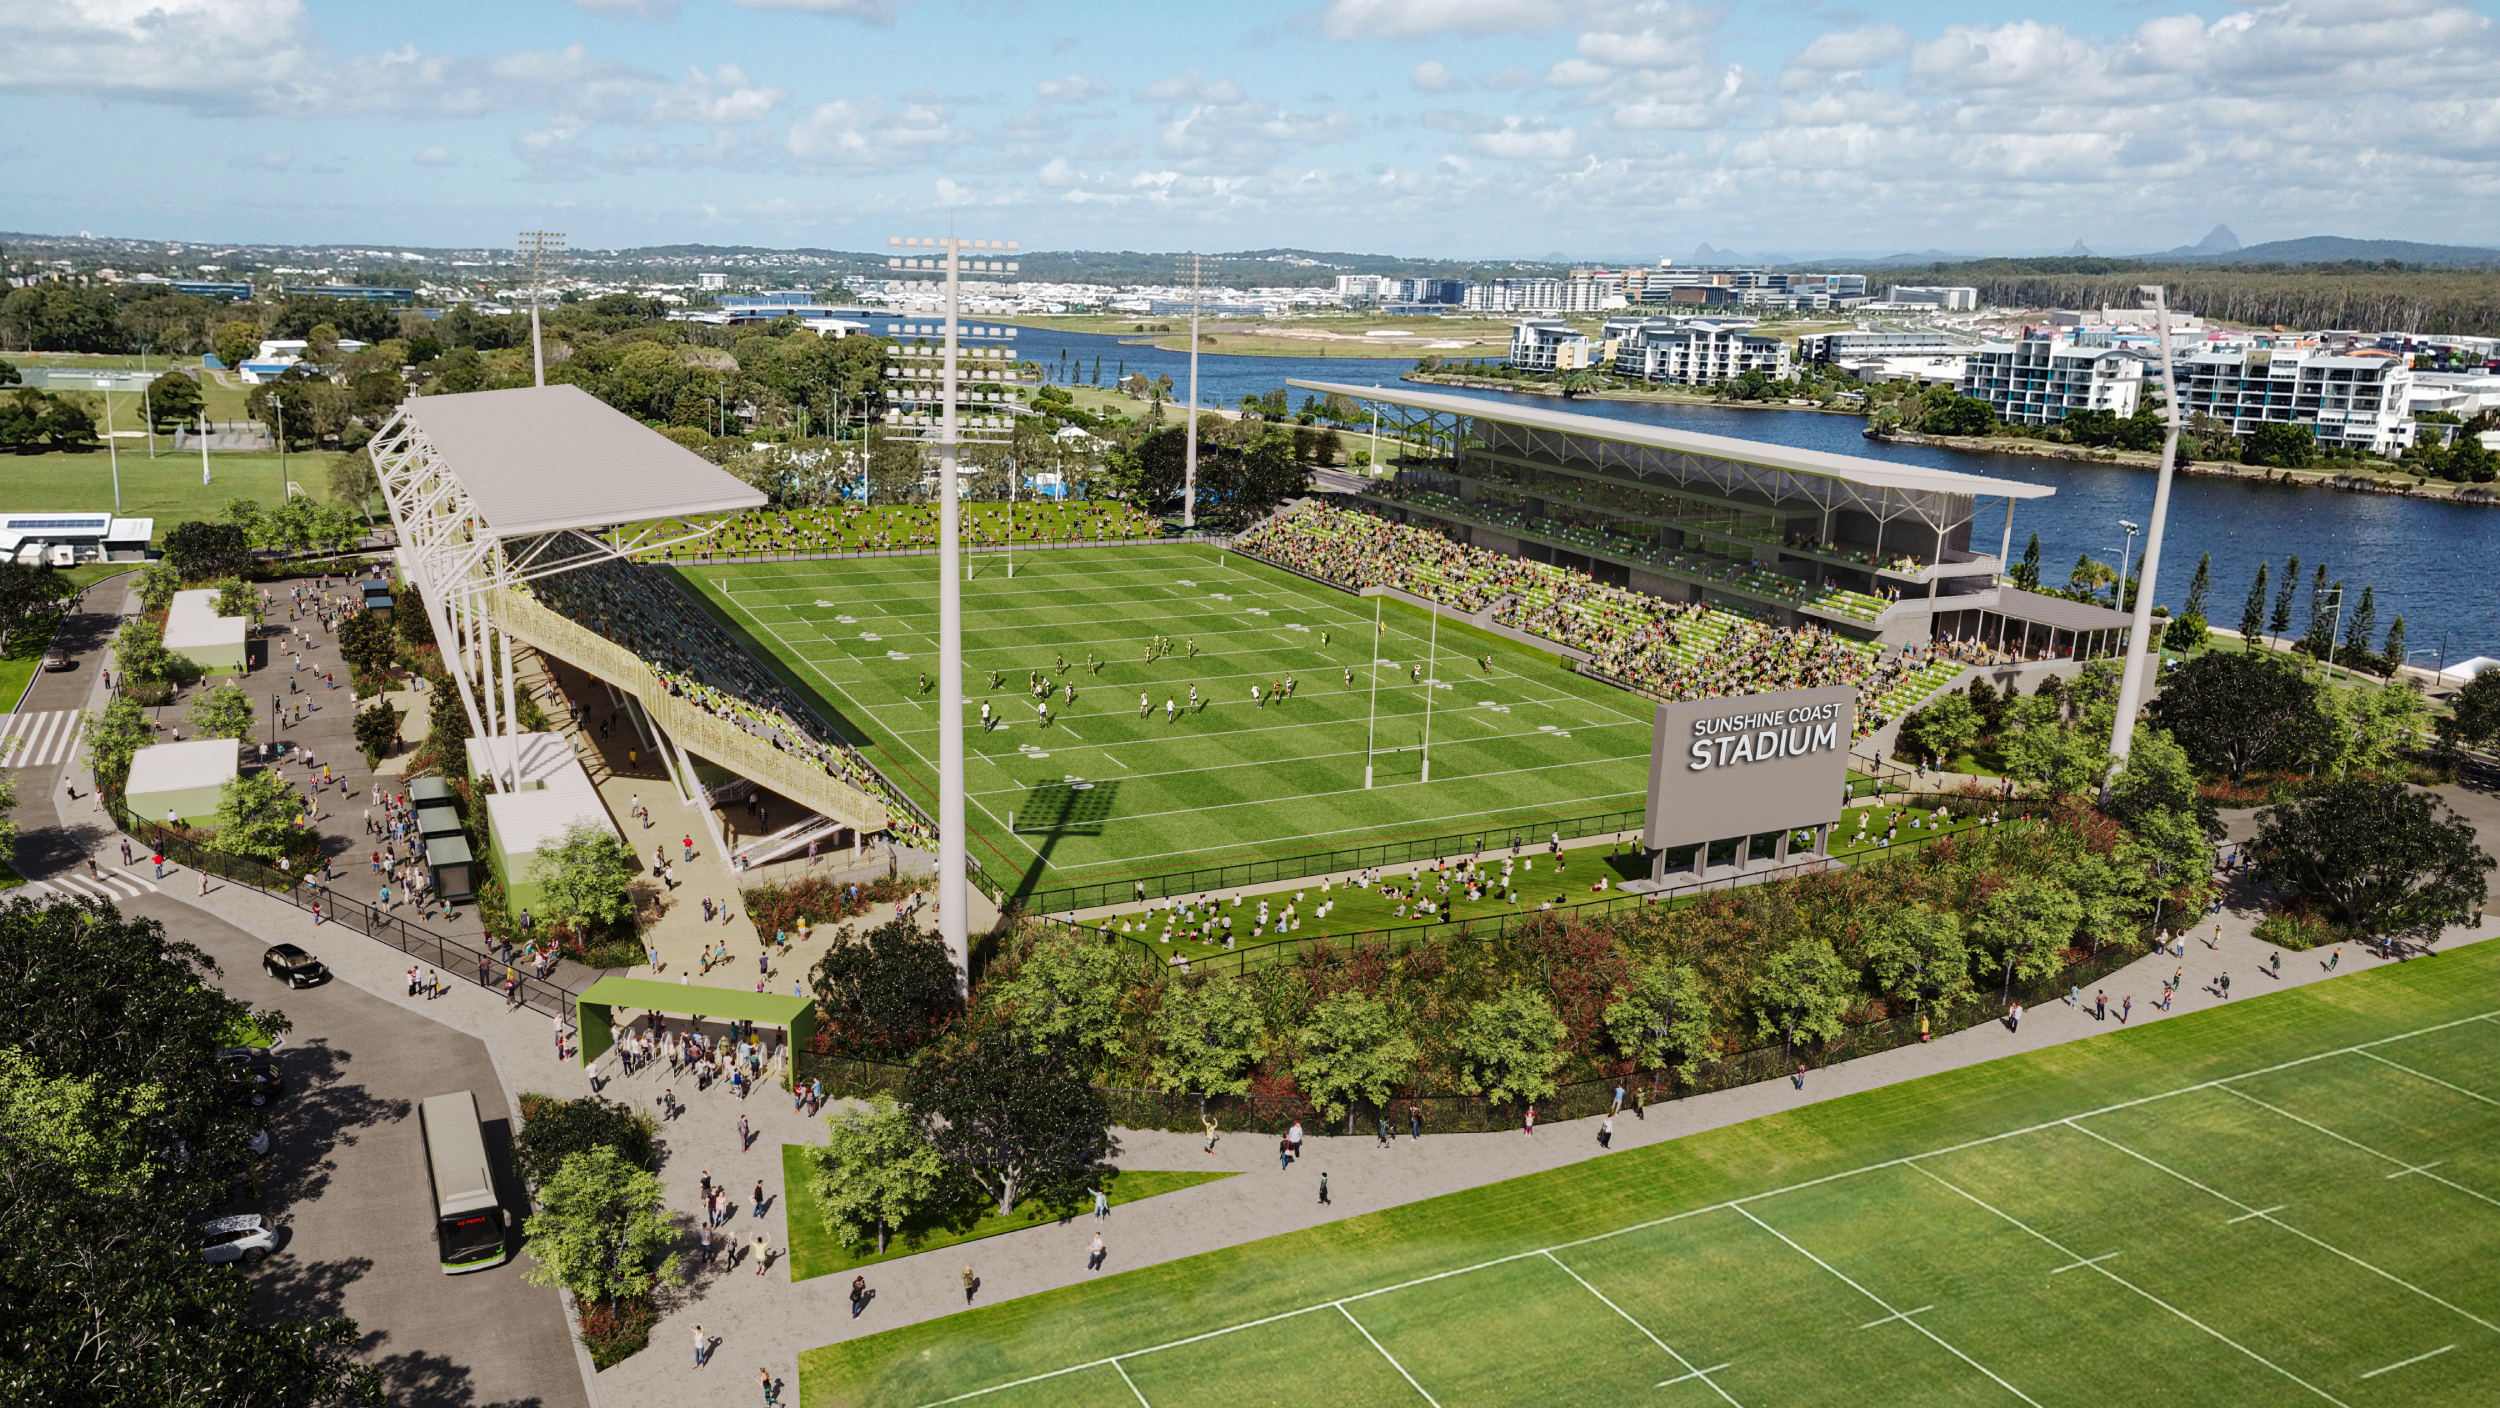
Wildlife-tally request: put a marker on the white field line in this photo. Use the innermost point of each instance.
(2403, 1363)
(2267, 1214)
(1902, 1315)
(1737, 1204)
(2421, 1075)
(1132, 1384)
(2402, 1168)
(1681, 1361)
(1385, 1354)
(2095, 1264)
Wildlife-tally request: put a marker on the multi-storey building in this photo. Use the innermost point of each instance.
(2354, 402)
(2042, 380)
(1548, 345)
(1947, 299)
(1694, 351)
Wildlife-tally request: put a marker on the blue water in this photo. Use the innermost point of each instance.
(2437, 565)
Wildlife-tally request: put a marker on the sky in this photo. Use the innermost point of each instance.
(1450, 128)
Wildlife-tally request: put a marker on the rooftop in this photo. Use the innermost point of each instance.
(1873, 474)
(181, 767)
(192, 621)
(543, 459)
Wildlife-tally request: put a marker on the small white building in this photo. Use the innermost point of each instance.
(543, 791)
(2357, 401)
(181, 783)
(1950, 300)
(90, 537)
(2042, 380)
(1548, 345)
(213, 644)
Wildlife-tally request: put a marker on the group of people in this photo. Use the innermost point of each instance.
(398, 857)
(855, 527)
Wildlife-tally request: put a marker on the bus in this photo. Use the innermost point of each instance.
(469, 1220)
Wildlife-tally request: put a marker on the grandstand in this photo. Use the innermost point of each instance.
(1870, 550)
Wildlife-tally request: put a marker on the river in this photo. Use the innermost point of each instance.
(2419, 555)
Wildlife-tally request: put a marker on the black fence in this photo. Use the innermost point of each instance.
(457, 961)
(1295, 867)
(1183, 1112)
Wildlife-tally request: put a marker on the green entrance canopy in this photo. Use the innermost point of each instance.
(798, 1014)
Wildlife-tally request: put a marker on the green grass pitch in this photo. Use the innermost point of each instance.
(1522, 743)
(2288, 1199)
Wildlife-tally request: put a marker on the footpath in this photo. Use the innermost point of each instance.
(766, 1321)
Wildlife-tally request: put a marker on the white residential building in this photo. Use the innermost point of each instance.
(1516, 296)
(1949, 299)
(2042, 380)
(2355, 402)
(1547, 345)
(1694, 351)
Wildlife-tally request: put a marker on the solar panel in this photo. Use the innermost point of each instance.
(90, 524)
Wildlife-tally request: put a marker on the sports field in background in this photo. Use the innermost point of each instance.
(1104, 792)
(2286, 1199)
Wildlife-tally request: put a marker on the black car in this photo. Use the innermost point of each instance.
(292, 966)
(253, 1075)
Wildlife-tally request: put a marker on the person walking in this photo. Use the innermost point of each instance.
(1284, 1154)
(1800, 1077)
(1323, 1188)
(1606, 1133)
(2126, 1007)
(1102, 1203)
(1414, 1122)
(971, 1283)
(1096, 1254)
(2334, 958)
(1383, 1131)
(1209, 1122)
(746, 1136)
(1295, 1136)
(1531, 1125)
(1618, 1109)
(859, 1295)
(759, 1197)
(763, 1251)
(702, 1347)
(2100, 1002)
(2223, 985)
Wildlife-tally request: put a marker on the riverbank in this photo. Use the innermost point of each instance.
(2351, 479)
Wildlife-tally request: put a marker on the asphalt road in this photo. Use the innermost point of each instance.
(345, 1182)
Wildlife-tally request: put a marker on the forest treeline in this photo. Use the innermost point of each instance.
(2367, 297)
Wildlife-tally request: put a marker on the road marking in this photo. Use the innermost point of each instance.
(39, 739)
(2402, 1363)
(1385, 1354)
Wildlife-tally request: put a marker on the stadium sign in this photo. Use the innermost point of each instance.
(1755, 763)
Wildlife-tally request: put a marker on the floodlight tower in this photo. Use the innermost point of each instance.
(1193, 267)
(538, 249)
(941, 402)
(2131, 681)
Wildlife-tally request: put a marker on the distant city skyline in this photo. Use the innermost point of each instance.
(1439, 128)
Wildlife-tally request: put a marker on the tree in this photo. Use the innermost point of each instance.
(235, 597)
(2393, 652)
(2186, 633)
(2253, 615)
(1072, 990)
(115, 734)
(2368, 725)
(2017, 931)
(553, 1131)
(26, 592)
(256, 815)
(1208, 1036)
(1940, 730)
(156, 584)
(887, 993)
(586, 876)
(200, 550)
(1508, 1046)
(2477, 708)
(174, 399)
(1963, 415)
(237, 342)
(2236, 712)
(367, 641)
(2363, 623)
(1917, 953)
(2043, 750)
(2280, 443)
(876, 1171)
(2027, 576)
(2383, 856)
(224, 711)
(1351, 1050)
(1014, 1116)
(353, 479)
(1804, 991)
(377, 730)
(1270, 474)
(2280, 624)
(601, 1230)
(139, 652)
(1661, 1017)
(2199, 586)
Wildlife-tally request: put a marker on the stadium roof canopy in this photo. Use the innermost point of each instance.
(1870, 473)
(543, 459)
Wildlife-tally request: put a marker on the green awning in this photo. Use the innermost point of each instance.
(765, 1009)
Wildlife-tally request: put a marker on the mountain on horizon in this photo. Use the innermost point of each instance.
(2077, 251)
(2337, 249)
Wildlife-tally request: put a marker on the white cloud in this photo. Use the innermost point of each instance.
(1517, 141)
(628, 9)
(1653, 34)
(212, 54)
(263, 161)
(1434, 76)
(1852, 51)
(1075, 88)
(844, 133)
(1577, 73)
(1413, 19)
(876, 12)
(435, 156)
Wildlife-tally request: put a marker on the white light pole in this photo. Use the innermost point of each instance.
(113, 444)
(537, 247)
(2126, 561)
(990, 417)
(2131, 681)
(1195, 267)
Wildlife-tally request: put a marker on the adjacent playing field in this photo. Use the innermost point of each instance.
(2291, 1199)
(1106, 790)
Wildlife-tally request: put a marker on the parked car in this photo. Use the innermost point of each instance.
(292, 966)
(255, 1078)
(55, 660)
(243, 1237)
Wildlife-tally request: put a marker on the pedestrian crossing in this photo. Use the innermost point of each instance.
(33, 740)
(109, 885)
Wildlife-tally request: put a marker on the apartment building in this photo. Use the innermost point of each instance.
(1694, 351)
(2354, 402)
(1950, 300)
(2042, 380)
(1548, 345)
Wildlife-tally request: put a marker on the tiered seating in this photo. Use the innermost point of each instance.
(852, 528)
(702, 665)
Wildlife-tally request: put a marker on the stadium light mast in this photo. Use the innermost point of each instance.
(945, 405)
(537, 249)
(1193, 267)
(2131, 681)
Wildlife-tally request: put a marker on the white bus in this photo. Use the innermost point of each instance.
(469, 1219)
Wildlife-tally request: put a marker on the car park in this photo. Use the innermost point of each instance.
(293, 966)
(242, 1237)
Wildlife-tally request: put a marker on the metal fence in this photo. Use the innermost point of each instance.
(1295, 867)
(459, 962)
(1458, 1113)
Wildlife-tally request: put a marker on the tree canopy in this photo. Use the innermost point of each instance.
(2383, 856)
(1014, 1115)
(2234, 711)
(876, 1171)
(887, 991)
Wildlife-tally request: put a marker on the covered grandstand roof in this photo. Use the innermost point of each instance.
(542, 459)
(1875, 474)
